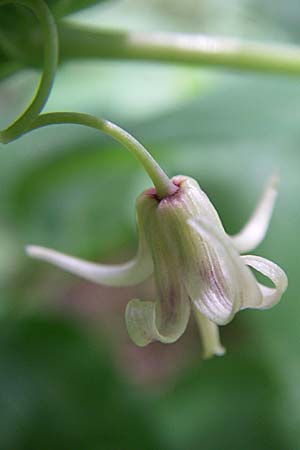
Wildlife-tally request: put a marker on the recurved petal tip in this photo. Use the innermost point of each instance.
(255, 230)
(33, 251)
(274, 179)
(270, 296)
(141, 321)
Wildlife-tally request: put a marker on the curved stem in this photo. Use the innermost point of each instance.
(162, 183)
(85, 42)
(48, 27)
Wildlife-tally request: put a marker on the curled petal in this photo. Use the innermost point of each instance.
(254, 231)
(270, 296)
(209, 332)
(142, 321)
(166, 319)
(224, 282)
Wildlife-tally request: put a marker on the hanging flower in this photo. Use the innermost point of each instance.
(196, 265)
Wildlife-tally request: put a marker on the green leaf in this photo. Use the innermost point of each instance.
(20, 31)
(60, 390)
(225, 403)
(61, 8)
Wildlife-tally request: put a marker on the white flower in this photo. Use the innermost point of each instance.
(196, 266)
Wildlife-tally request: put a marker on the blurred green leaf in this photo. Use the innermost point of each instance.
(59, 390)
(61, 8)
(225, 403)
(15, 14)
(80, 192)
(284, 15)
(20, 32)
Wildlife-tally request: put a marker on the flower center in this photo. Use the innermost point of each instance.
(176, 181)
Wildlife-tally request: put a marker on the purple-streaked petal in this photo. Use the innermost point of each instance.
(222, 282)
(166, 319)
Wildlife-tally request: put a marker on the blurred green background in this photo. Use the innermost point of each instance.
(70, 379)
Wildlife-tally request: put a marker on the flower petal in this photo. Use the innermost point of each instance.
(209, 332)
(270, 296)
(254, 231)
(142, 321)
(167, 318)
(129, 273)
(223, 281)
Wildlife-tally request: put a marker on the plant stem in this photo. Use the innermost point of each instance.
(44, 16)
(162, 183)
(78, 42)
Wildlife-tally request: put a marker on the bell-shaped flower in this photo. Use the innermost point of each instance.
(196, 265)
